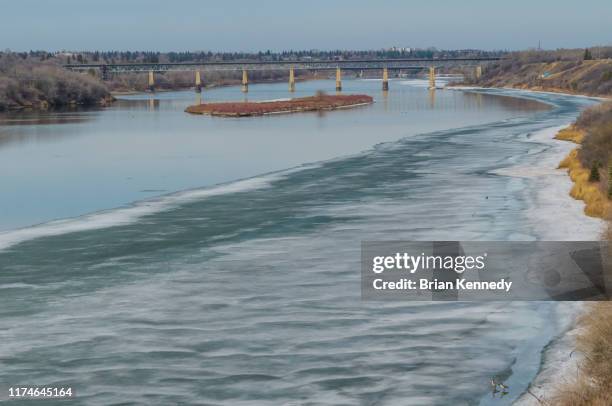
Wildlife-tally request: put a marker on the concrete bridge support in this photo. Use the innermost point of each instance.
(245, 81)
(291, 80)
(432, 77)
(104, 72)
(478, 72)
(338, 80)
(151, 81)
(385, 81)
(198, 82)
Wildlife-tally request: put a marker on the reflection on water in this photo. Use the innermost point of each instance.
(385, 99)
(153, 103)
(25, 128)
(81, 161)
(27, 118)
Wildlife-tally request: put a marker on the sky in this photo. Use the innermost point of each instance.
(236, 25)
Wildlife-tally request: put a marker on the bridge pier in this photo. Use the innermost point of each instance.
(432, 77)
(478, 72)
(385, 81)
(104, 72)
(338, 80)
(151, 81)
(245, 81)
(198, 82)
(291, 80)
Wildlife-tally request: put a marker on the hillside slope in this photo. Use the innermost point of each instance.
(590, 77)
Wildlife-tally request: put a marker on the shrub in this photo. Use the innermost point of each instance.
(592, 385)
(597, 144)
(33, 82)
(594, 175)
(595, 115)
(610, 180)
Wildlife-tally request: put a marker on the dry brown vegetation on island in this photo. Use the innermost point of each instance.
(313, 103)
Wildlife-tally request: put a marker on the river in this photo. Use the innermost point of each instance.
(151, 256)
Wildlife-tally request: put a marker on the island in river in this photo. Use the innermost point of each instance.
(312, 103)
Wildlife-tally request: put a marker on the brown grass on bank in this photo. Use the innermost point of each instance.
(593, 384)
(557, 72)
(572, 134)
(596, 202)
(593, 131)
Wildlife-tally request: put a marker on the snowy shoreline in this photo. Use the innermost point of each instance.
(550, 201)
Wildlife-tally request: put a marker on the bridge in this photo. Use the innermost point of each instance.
(384, 65)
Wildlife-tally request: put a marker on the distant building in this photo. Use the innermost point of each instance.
(403, 50)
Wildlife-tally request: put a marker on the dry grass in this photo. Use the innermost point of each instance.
(607, 236)
(572, 134)
(596, 202)
(593, 131)
(566, 74)
(593, 385)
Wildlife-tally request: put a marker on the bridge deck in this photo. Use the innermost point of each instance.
(357, 64)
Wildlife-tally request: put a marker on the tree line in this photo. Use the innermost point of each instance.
(112, 57)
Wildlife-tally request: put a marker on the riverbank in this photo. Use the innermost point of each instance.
(319, 102)
(41, 85)
(586, 165)
(588, 184)
(576, 368)
(563, 71)
(580, 357)
(590, 164)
